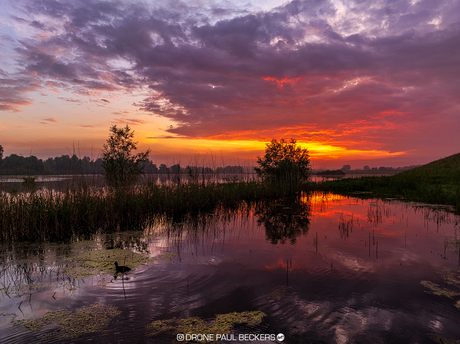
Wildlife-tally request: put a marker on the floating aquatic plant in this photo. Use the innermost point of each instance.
(222, 324)
(74, 324)
(436, 290)
(95, 262)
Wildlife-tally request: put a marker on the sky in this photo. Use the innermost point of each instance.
(366, 82)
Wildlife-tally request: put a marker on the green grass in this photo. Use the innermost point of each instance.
(437, 182)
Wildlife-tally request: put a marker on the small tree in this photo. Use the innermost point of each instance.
(346, 168)
(284, 162)
(121, 168)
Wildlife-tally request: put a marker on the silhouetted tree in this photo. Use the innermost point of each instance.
(15, 164)
(346, 168)
(175, 169)
(284, 162)
(121, 168)
(163, 169)
(150, 168)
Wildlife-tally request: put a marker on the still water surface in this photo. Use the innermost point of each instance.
(324, 268)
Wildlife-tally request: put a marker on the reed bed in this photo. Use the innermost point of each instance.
(82, 210)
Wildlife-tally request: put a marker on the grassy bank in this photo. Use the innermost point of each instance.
(437, 183)
(57, 216)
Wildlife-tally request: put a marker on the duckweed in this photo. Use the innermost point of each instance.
(222, 324)
(167, 255)
(436, 290)
(95, 262)
(71, 325)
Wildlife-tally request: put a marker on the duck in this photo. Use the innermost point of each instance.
(122, 269)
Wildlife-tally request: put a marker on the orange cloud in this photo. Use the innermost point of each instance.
(50, 119)
(282, 81)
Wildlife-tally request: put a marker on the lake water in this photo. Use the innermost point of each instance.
(323, 268)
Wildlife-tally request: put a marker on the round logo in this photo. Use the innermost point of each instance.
(180, 337)
(280, 337)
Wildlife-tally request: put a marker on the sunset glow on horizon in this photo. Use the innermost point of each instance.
(353, 83)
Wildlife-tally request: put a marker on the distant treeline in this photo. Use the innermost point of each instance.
(331, 173)
(381, 169)
(346, 169)
(19, 165)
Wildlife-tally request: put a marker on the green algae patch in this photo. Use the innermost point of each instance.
(436, 290)
(451, 277)
(167, 255)
(86, 320)
(102, 261)
(222, 324)
(457, 304)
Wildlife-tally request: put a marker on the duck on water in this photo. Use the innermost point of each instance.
(122, 269)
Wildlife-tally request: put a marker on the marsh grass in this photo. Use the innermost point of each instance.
(82, 210)
(437, 183)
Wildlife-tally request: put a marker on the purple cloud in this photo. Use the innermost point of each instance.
(218, 71)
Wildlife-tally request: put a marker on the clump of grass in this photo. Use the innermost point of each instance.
(222, 324)
(29, 183)
(72, 325)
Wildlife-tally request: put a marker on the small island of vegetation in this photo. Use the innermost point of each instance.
(124, 203)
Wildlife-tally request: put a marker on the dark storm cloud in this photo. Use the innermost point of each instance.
(220, 70)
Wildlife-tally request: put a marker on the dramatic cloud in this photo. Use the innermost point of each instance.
(13, 92)
(347, 74)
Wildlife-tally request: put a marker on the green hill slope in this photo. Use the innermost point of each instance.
(446, 170)
(437, 182)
